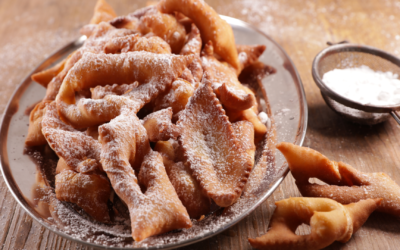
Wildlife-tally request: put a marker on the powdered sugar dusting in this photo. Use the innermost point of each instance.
(209, 143)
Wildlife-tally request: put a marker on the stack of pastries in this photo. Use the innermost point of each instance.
(151, 109)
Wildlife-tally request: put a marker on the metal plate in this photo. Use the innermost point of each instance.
(288, 106)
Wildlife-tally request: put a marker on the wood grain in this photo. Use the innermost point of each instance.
(32, 29)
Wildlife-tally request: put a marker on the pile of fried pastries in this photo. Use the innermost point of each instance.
(151, 109)
(338, 208)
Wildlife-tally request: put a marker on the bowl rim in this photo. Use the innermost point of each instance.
(346, 47)
(12, 108)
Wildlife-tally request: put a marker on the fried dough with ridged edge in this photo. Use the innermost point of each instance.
(186, 186)
(217, 160)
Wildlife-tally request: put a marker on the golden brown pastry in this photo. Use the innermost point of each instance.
(159, 126)
(211, 26)
(94, 44)
(231, 93)
(176, 98)
(329, 220)
(35, 136)
(88, 191)
(158, 209)
(144, 67)
(76, 148)
(345, 184)
(249, 54)
(44, 77)
(166, 27)
(244, 132)
(217, 160)
(186, 186)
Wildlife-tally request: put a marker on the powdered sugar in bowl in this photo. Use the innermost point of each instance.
(359, 82)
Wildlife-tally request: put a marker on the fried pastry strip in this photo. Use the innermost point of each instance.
(249, 54)
(225, 83)
(345, 184)
(216, 158)
(75, 147)
(249, 115)
(44, 77)
(165, 26)
(77, 152)
(266, 160)
(193, 43)
(62, 166)
(176, 98)
(211, 26)
(244, 132)
(159, 209)
(35, 136)
(102, 12)
(255, 72)
(193, 47)
(159, 126)
(329, 220)
(104, 69)
(88, 191)
(186, 186)
(94, 44)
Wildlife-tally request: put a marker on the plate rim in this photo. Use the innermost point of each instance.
(13, 106)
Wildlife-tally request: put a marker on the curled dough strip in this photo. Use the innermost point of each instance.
(217, 159)
(75, 147)
(159, 126)
(329, 220)
(159, 209)
(94, 44)
(105, 69)
(345, 184)
(225, 83)
(211, 26)
(44, 77)
(166, 27)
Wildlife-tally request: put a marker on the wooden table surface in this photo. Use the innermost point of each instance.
(30, 30)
